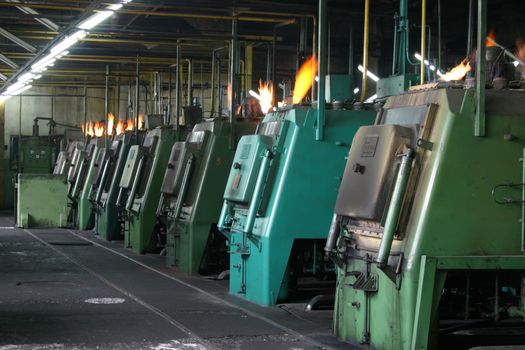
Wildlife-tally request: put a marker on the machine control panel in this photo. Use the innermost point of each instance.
(126, 181)
(171, 182)
(371, 170)
(245, 169)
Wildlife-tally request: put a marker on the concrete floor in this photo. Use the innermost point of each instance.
(62, 289)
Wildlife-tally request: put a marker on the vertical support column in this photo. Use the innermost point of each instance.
(85, 111)
(351, 48)
(116, 104)
(2, 155)
(106, 107)
(314, 54)
(137, 96)
(470, 27)
(248, 66)
(479, 122)
(177, 90)
(424, 299)
(190, 82)
(234, 73)
(321, 59)
(365, 49)
(423, 39)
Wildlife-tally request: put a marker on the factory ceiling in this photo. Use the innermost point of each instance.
(152, 29)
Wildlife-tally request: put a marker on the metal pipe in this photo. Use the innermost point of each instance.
(190, 82)
(351, 49)
(17, 40)
(177, 92)
(221, 225)
(479, 122)
(106, 108)
(365, 49)
(439, 33)
(470, 28)
(423, 39)
(117, 100)
(85, 112)
(321, 94)
(137, 97)
(219, 87)
(168, 116)
(258, 192)
(234, 72)
(394, 209)
(314, 54)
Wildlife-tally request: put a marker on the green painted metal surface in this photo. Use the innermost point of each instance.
(191, 208)
(107, 218)
(143, 197)
(36, 155)
(295, 182)
(42, 200)
(85, 208)
(396, 85)
(450, 220)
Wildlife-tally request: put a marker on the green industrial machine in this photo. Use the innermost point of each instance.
(105, 186)
(41, 201)
(140, 184)
(428, 232)
(36, 155)
(278, 196)
(191, 196)
(84, 167)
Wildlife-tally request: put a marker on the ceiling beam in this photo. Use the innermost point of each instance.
(17, 40)
(44, 21)
(8, 61)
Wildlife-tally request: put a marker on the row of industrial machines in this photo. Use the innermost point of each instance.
(420, 220)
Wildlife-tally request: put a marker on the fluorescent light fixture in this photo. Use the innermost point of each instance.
(254, 94)
(516, 63)
(4, 98)
(67, 42)
(371, 98)
(95, 19)
(115, 7)
(368, 73)
(356, 90)
(428, 64)
(22, 89)
(26, 77)
(37, 77)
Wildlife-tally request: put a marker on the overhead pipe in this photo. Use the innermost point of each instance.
(423, 50)
(365, 49)
(321, 59)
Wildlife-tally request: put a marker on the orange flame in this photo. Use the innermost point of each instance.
(111, 123)
(228, 96)
(304, 79)
(458, 72)
(492, 37)
(266, 96)
(141, 122)
(98, 129)
(120, 127)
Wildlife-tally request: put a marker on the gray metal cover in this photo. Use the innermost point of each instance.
(175, 164)
(370, 171)
(130, 167)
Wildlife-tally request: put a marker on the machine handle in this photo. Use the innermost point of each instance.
(394, 209)
(183, 187)
(136, 181)
(103, 179)
(258, 192)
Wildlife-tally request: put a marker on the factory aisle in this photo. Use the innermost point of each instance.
(61, 289)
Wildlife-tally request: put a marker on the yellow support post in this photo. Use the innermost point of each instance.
(423, 38)
(365, 49)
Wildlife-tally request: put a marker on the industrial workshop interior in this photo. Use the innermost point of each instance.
(262, 174)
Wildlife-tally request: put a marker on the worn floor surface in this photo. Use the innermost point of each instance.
(62, 289)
